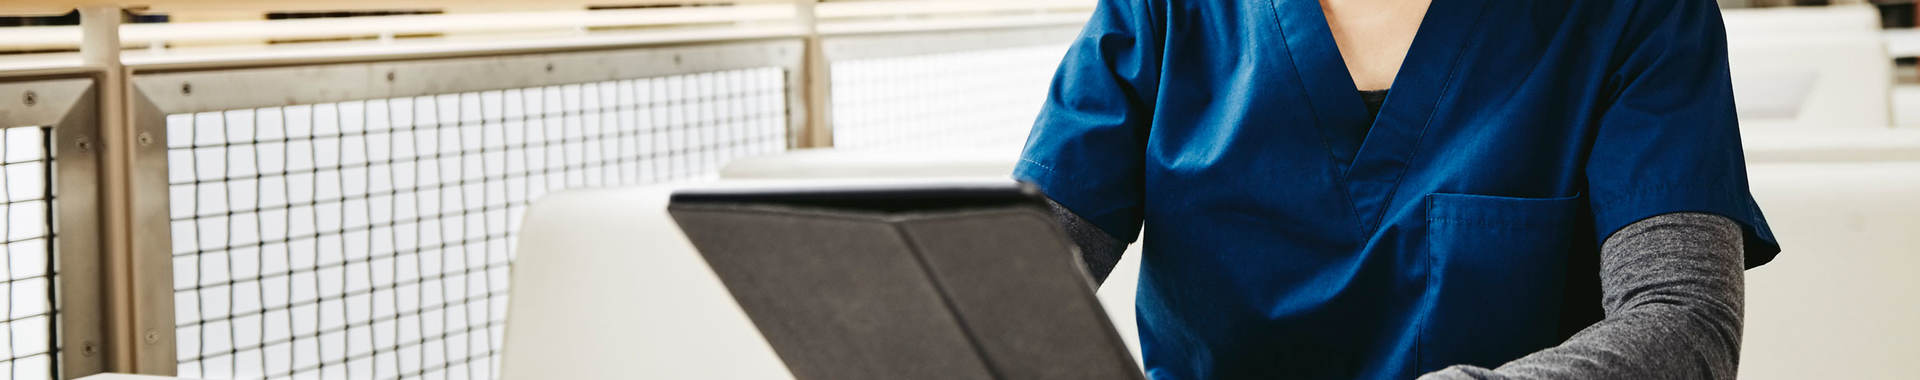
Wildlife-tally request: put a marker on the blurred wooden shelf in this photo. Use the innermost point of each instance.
(236, 10)
(221, 23)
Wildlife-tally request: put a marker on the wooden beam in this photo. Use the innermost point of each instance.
(56, 7)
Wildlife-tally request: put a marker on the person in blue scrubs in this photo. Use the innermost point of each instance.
(1548, 189)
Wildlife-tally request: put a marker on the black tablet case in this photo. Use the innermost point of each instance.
(909, 283)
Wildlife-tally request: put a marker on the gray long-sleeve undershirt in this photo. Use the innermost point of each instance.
(1671, 286)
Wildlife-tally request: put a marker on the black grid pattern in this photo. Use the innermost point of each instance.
(981, 98)
(27, 313)
(371, 239)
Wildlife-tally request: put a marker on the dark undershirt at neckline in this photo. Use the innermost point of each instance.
(1373, 98)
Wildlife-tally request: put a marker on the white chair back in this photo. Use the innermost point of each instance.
(1810, 67)
(1840, 301)
(606, 287)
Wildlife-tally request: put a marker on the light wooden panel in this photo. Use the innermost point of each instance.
(257, 7)
(234, 23)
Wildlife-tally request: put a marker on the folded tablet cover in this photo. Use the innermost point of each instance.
(975, 285)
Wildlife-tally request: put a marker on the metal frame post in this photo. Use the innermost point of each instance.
(139, 300)
(77, 218)
(818, 80)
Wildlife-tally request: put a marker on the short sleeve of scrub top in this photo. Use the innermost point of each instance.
(1096, 120)
(1670, 141)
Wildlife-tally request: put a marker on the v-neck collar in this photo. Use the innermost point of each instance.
(1371, 166)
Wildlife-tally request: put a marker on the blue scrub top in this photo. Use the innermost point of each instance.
(1285, 239)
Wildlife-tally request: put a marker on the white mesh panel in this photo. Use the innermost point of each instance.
(26, 294)
(984, 98)
(371, 239)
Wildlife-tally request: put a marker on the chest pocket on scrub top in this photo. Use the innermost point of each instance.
(1496, 268)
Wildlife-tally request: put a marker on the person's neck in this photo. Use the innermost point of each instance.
(1373, 36)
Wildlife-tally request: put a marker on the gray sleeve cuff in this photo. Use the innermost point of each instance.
(1098, 250)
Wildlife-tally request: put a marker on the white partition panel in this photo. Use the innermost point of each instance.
(371, 239)
(27, 254)
(356, 221)
(942, 89)
(956, 99)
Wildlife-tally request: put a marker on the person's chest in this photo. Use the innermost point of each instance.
(1493, 96)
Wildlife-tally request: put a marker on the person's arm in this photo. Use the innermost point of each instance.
(1099, 250)
(1089, 141)
(1672, 288)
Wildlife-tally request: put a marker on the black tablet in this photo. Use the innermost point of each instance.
(965, 280)
(877, 196)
